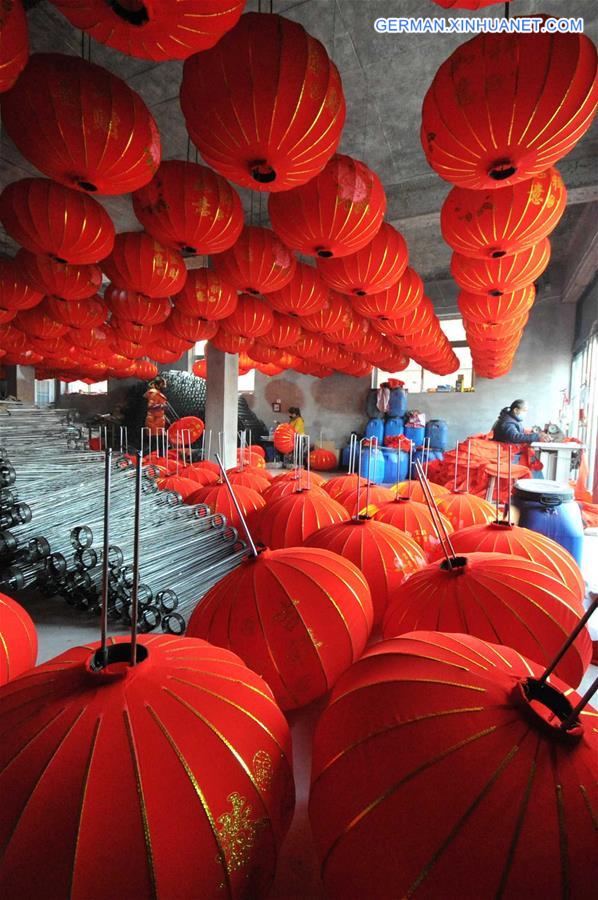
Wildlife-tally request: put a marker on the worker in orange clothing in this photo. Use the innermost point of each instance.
(155, 419)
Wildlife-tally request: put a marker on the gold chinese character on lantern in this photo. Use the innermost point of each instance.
(536, 193)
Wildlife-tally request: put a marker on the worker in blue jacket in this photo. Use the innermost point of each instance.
(508, 428)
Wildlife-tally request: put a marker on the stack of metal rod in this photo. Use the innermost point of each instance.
(52, 527)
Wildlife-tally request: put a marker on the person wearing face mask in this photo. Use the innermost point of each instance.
(508, 428)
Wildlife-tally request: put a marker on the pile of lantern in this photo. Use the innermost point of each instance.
(496, 136)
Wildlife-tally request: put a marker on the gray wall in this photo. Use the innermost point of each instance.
(540, 372)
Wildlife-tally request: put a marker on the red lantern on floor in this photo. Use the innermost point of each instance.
(304, 295)
(140, 263)
(495, 223)
(252, 318)
(153, 30)
(14, 48)
(15, 292)
(336, 213)
(385, 556)
(218, 498)
(189, 328)
(284, 438)
(484, 309)
(436, 763)
(503, 275)
(416, 520)
(258, 263)
(532, 103)
(323, 460)
(339, 483)
(374, 268)
(274, 117)
(357, 502)
(199, 476)
(399, 300)
(462, 509)
(289, 520)
(248, 478)
(300, 616)
(283, 487)
(413, 490)
(189, 207)
(137, 308)
(514, 601)
(206, 296)
(51, 277)
(49, 219)
(185, 430)
(18, 639)
(98, 134)
(225, 763)
(500, 537)
(77, 313)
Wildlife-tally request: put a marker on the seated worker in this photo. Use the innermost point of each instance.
(508, 428)
(296, 420)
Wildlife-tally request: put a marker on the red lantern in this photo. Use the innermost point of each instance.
(285, 332)
(52, 277)
(224, 750)
(18, 639)
(503, 275)
(503, 108)
(436, 764)
(98, 135)
(248, 478)
(218, 498)
(374, 268)
(323, 460)
(251, 319)
(140, 263)
(264, 353)
(200, 368)
(137, 308)
(333, 316)
(495, 223)
(38, 323)
(77, 313)
(487, 310)
(187, 430)
(145, 370)
(416, 520)
(304, 295)
(284, 438)
(52, 220)
(512, 600)
(274, 117)
(289, 520)
(300, 616)
(162, 355)
(206, 296)
(500, 537)
(189, 328)
(258, 263)
(338, 484)
(179, 484)
(283, 487)
(15, 292)
(199, 476)
(14, 46)
(154, 30)
(413, 490)
(189, 207)
(462, 509)
(357, 502)
(384, 555)
(334, 214)
(229, 343)
(7, 315)
(397, 301)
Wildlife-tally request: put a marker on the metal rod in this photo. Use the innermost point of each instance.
(437, 519)
(577, 630)
(104, 612)
(456, 466)
(509, 477)
(225, 478)
(497, 481)
(468, 462)
(572, 717)
(136, 542)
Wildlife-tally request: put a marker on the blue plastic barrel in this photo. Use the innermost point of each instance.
(548, 507)
(393, 426)
(437, 432)
(345, 457)
(375, 460)
(375, 428)
(415, 433)
(371, 408)
(397, 404)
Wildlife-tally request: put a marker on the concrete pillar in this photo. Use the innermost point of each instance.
(20, 382)
(222, 401)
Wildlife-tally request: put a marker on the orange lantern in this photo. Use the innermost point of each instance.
(304, 295)
(51, 277)
(206, 296)
(188, 428)
(357, 502)
(323, 460)
(252, 318)
(484, 309)
(248, 477)
(398, 300)
(189, 328)
(18, 639)
(274, 117)
(416, 520)
(14, 49)
(289, 520)
(218, 498)
(339, 483)
(462, 509)
(77, 313)
(374, 268)
(532, 103)
(503, 275)
(413, 490)
(137, 308)
(140, 263)
(98, 134)
(258, 263)
(284, 438)
(189, 207)
(334, 214)
(282, 487)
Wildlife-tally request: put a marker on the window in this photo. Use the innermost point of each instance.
(418, 380)
(584, 401)
(44, 392)
(80, 387)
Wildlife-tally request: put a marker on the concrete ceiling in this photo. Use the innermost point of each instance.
(385, 78)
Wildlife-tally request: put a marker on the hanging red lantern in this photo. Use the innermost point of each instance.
(38, 323)
(284, 438)
(153, 29)
(200, 368)
(225, 763)
(385, 556)
(161, 355)
(145, 370)
(229, 343)
(258, 263)
(533, 102)
(300, 646)
(77, 313)
(374, 268)
(98, 134)
(189, 207)
(333, 316)
(133, 350)
(264, 353)
(140, 263)
(323, 460)
(463, 509)
(512, 600)
(484, 309)
(7, 315)
(52, 277)
(309, 346)
(170, 341)
(206, 296)
(503, 275)
(93, 340)
(218, 498)
(274, 117)
(14, 45)
(414, 519)
(392, 363)
(495, 223)
(495, 331)
(189, 328)
(246, 363)
(285, 332)
(289, 520)
(436, 764)
(185, 430)
(500, 537)
(18, 639)
(252, 318)
(49, 219)
(398, 300)
(334, 214)
(304, 295)
(136, 307)
(15, 292)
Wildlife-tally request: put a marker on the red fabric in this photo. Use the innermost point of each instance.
(274, 117)
(374, 268)
(99, 135)
(258, 263)
(289, 520)
(398, 442)
(18, 639)
(51, 277)
(140, 263)
(367, 499)
(432, 775)
(482, 466)
(300, 616)
(223, 746)
(14, 48)
(463, 509)
(249, 478)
